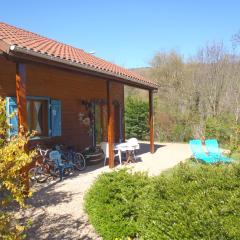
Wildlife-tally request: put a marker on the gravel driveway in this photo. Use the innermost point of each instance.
(56, 209)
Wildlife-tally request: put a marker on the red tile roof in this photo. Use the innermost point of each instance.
(35, 43)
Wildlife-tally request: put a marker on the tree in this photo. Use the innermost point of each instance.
(168, 71)
(173, 97)
(235, 83)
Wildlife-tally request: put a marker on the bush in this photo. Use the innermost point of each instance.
(172, 128)
(190, 202)
(13, 159)
(181, 132)
(221, 128)
(113, 203)
(136, 118)
(234, 144)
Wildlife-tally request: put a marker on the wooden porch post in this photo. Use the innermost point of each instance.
(151, 126)
(21, 97)
(110, 124)
(123, 118)
(22, 110)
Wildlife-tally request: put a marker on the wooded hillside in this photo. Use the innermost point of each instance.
(198, 97)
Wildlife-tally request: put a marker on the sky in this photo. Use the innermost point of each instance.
(128, 33)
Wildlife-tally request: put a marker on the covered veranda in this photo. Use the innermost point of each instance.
(21, 96)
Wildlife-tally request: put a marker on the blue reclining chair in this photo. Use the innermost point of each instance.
(214, 151)
(199, 153)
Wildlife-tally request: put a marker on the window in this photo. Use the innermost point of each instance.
(37, 113)
(43, 116)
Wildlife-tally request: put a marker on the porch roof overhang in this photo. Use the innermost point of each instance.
(25, 55)
(20, 45)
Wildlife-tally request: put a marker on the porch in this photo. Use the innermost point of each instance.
(72, 108)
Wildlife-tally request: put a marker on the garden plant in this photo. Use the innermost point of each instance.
(13, 159)
(191, 201)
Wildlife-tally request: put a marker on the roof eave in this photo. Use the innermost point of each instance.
(13, 50)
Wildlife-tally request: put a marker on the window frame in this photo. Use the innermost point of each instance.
(32, 98)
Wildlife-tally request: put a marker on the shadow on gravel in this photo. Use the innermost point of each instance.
(58, 227)
(46, 196)
(45, 225)
(145, 148)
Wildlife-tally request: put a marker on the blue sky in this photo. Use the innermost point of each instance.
(128, 33)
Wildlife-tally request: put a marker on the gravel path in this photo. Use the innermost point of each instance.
(56, 209)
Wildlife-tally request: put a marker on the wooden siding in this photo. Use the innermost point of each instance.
(67, 86)
(7, 78)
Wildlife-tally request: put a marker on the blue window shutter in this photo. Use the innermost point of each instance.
(11, 107)
(56, 126)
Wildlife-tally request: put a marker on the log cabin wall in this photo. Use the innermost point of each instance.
(67, 86)
(7, 78)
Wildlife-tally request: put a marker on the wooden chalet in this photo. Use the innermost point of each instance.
(63, 93)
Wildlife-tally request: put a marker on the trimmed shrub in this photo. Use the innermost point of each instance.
(113, 203)
(193, 203)
(189, 202)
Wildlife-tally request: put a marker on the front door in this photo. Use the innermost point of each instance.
(101, 121)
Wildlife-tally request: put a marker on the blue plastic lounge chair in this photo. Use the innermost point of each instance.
(214, 151)
(199, 153)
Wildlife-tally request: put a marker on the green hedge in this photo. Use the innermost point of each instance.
(190, 202)
(136, 118)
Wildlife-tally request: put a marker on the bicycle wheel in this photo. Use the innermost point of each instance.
(41, 174)
(79, 162)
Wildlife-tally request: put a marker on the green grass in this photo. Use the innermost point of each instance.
(192, 201)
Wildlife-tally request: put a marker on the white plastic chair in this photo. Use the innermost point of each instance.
(105, 147)
(133, 142)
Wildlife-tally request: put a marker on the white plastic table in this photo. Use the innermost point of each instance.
(129, 149)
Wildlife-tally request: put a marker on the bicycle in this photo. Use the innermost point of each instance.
(39, 173)
(47, 168)
(76, 158)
